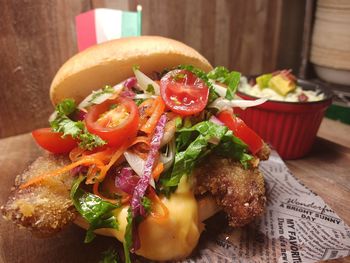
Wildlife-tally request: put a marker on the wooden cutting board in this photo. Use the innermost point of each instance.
(326, 171)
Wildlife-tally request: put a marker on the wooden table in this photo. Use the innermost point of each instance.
(326, 171)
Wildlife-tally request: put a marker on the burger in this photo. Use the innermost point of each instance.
(143, 146)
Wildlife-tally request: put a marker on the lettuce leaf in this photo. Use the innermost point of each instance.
(96, 211)
(233, 147)
(230, 79)
(198, 141)
(127, 244)
(62, 123)
(110, 256)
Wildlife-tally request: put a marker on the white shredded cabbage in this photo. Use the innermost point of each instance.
(92, 99)
(169, 156)
(144, 82)
(225, 104)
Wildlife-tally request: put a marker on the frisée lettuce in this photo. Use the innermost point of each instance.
(64, 124)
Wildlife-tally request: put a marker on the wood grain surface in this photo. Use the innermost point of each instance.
(325, 170)
(36, 37)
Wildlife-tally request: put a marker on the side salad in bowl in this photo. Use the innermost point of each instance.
(290, 118)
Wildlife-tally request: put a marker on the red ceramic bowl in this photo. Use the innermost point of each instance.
(290, 127)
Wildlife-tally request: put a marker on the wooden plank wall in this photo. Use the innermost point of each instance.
(36, 37)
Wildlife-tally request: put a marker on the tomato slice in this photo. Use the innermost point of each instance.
(53, 141)
(242, 131)
(183, 92)
(115, 121)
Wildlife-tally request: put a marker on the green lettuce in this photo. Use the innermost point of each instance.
(96, 211)
(110, 256)
(230, 79)
(62, 123)
(128, 236)
(194, 143)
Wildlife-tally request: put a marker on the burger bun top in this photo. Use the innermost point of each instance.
(111, 62)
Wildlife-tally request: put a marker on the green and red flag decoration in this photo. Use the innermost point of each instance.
(102, 24)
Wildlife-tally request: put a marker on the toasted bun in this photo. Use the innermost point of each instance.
(112, 62)
(206, 208)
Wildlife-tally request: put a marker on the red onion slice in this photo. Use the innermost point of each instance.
(79, 170)
(215, 120)
(130, 82)
(126, 180)
(128, 94)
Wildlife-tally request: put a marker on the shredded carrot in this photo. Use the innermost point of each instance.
(104, 155)
(114, 158)
(141, 146)
(152, 108)
(151, 123)
(76, 153)
(140, 153)
(126, 199)
(139, 139)
(157, 171)
(91, 174)
(84, 161)
(147, 103)
(145, 109)
(156, 201)
(96, 191)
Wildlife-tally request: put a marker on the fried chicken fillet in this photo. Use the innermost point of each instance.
(44, 209)
(47, 208)
(239, 192)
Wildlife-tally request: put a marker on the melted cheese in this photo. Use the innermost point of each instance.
(170, 239)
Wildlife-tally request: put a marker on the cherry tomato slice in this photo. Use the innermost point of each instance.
(115, 121)
(242, 131)
(183, 92)
(53, 142)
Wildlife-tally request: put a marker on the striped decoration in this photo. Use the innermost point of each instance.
(100, 25)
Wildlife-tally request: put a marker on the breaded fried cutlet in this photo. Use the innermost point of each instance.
(47, 208)
(264, 153)
(44, 208)
(239, 192)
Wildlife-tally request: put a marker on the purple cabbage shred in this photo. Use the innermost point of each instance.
(141, 187)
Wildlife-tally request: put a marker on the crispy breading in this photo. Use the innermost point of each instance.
(46, 208)
(239, 192)
(264, 152)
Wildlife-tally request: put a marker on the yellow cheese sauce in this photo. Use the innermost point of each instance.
(172, 238)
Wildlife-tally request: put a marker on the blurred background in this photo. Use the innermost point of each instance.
(255, 36)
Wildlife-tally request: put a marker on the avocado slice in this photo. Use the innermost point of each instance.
(263, 80)
(281, 84)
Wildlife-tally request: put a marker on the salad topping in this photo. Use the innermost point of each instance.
(133, 144)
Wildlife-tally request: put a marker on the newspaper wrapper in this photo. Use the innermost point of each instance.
(297, 226)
